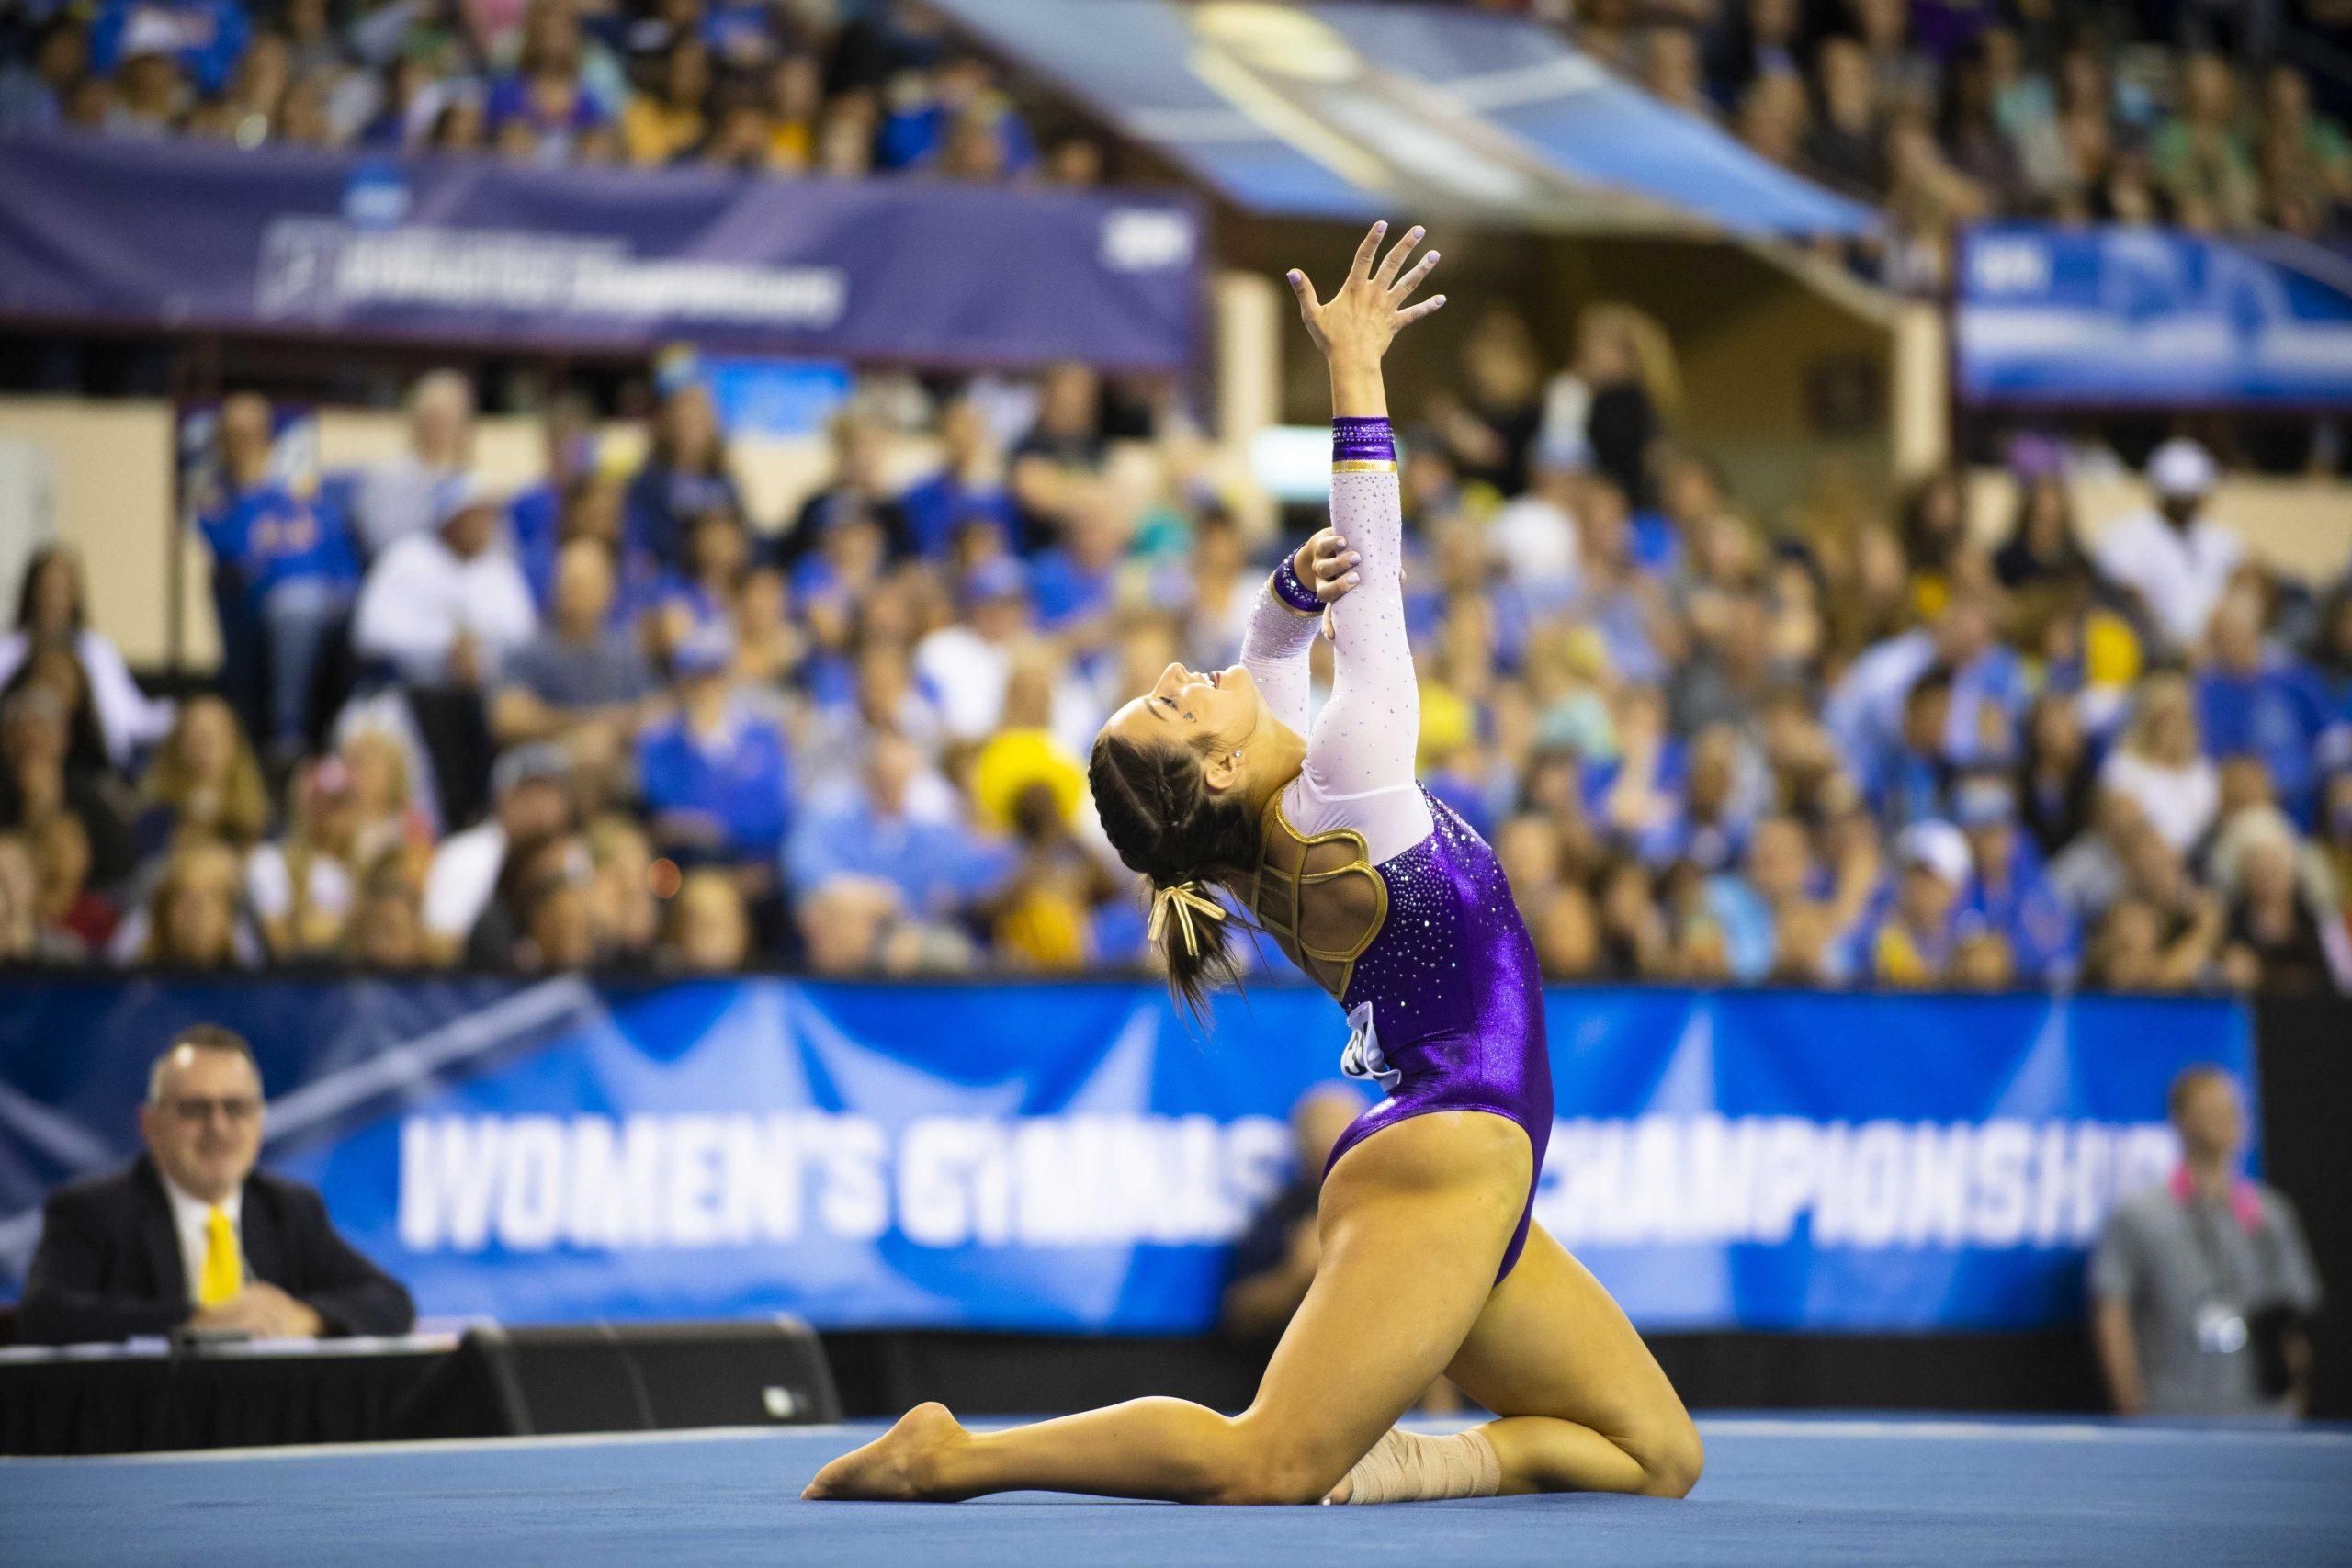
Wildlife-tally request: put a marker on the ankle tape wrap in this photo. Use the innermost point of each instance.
(1404, 1467)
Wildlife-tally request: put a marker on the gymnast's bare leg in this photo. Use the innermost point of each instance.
(1413, 1225)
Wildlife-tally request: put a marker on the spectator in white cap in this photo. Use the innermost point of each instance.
(1912, 939)
(2172, 561)
(443, 606)
(151, 94)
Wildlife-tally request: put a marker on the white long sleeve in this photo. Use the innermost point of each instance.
(1275, 652)
(1360, 756)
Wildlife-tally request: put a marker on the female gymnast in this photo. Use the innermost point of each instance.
(1388, 900)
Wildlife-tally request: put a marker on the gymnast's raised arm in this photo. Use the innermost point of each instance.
(1282, 622)
(1363, 742)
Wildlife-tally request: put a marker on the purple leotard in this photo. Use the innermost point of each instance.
(1444, 1001)
(1455, 1019)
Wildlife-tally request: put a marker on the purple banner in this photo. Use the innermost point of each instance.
(482, 252)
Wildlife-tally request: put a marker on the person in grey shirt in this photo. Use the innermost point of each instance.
(2199, 1286)
(582, 683)
(581, 669)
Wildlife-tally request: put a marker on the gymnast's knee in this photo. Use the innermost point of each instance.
(1270, 1468)
(1672, 1459)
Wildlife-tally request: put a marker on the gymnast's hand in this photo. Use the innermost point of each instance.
(1353, 328)
(1326, 564)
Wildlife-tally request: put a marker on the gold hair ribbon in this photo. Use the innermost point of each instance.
(1187, 900)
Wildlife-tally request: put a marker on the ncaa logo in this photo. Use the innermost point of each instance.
(1144, 238)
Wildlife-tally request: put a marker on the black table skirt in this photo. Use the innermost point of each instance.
(142, 1403)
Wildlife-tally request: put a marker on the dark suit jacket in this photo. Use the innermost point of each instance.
(108, 1265)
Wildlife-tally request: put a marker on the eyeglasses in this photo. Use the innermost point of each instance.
(195, 1110)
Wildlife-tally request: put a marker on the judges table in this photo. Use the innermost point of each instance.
(152, 1394)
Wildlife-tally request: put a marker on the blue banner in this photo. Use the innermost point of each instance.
(2130, 315)
(1410, 112)
(190, 235)
(1074, 1158)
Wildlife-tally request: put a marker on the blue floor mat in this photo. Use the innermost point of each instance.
(1807, 1493)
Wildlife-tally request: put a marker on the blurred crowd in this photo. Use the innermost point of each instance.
(2184, 111)
(1947, 111)
(2210, 115)
(788, 86)
(617, 718)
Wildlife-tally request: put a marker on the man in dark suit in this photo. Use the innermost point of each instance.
(190, 1235)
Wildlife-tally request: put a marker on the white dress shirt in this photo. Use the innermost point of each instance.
(419, 597)
(2180, 573)
(189, 1214)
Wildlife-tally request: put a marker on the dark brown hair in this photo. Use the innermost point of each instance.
(1170, 827)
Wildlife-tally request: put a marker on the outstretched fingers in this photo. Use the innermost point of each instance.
(1402, 289)
(1369, 306)
(1394, 262)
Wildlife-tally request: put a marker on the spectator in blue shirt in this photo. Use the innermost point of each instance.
(879, 828)
(2262, 702)
(1904, 781)
(1074, 585)
(742, 35)
(685, 472)
(1708, 825)
(2007, 890)
(717, 777)
(544, 109)
(698, 595)
(1987, 686)
(2332, 652)
(1689, 497)
(918, 132)
(1748, 905)
(291, 561)
(1613, 592)
(208, 36)
(968, 486)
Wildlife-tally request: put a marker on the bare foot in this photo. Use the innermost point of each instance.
(899, 1466)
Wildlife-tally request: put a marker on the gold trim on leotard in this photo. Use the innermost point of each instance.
(1301, 877)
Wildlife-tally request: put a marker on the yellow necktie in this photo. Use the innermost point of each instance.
(224, 1271)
